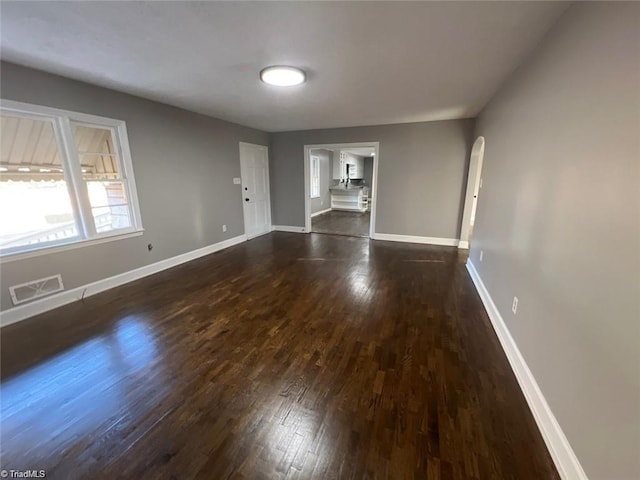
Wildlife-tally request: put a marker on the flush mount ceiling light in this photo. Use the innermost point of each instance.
(282, 76)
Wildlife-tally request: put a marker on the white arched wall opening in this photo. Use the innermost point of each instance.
(473, 189)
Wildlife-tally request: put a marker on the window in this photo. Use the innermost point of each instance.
(315, 177)
(64, 178)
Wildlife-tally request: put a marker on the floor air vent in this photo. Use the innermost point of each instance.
(26, 292)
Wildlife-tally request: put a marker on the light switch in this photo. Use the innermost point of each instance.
(237, 180)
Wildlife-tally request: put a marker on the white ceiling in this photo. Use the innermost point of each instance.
(368, 63)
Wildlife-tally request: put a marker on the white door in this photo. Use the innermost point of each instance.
(254, 168)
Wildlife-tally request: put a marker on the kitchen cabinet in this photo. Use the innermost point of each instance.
(357, 168)
(340, 162)
(355, 199)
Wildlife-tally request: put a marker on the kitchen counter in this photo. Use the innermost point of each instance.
(349, 197)
(342, 187)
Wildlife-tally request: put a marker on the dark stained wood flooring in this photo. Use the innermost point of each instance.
(290, 356)
(338, 222)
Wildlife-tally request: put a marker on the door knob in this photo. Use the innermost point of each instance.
(246, 199)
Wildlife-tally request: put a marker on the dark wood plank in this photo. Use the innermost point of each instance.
(290, 356)
(338, 222)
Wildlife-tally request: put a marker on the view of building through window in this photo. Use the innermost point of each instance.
(100, 171)
(42, 199)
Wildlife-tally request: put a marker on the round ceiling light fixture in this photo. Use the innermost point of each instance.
(283, 76)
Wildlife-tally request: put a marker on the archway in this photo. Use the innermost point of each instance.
(473, 189)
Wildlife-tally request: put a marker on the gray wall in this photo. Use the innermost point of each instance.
(559, 222)
(422, 174)
(335, 165)
(324, 202)
(184, 165)
(368, 173)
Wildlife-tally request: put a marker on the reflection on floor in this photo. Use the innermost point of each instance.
(354, 224)
(286, 357)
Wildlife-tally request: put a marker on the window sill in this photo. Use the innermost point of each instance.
(12, 257)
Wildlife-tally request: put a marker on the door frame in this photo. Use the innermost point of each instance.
(474, 183)
(341, 146)
(244, 217)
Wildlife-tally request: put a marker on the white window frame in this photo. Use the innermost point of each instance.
(62, 126)
(315, 173)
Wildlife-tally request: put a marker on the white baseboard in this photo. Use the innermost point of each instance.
(256, 235)
(320, 212)
(288, 228)
(561, 452)
(36, 307)
(463, 244)
(391, 237)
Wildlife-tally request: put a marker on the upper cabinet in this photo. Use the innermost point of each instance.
(340, 162)
(360, 168)
(356, 169)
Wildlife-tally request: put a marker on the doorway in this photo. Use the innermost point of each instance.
(341, 188)
(256, 203)
(474, 183)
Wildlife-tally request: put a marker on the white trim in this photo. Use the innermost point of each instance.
(320, 212)
(288, 228)
(390, 237)
(463, 244)
(307, 190)
(561, 452)
(33, 108)
(127, 167)
(36, 307)
(375, 146)
(250, 237)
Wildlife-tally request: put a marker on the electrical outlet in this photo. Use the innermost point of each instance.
(481, 254)
(224, 228)
(514, 306)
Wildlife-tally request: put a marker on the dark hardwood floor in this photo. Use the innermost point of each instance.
(289, 356)
(338, 222)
